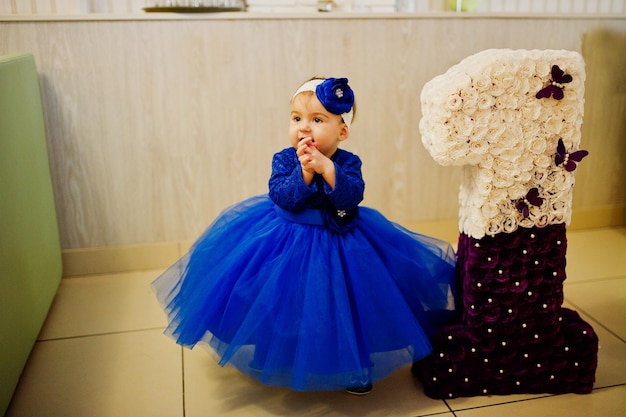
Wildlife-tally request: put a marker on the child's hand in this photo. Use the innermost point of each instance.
(311, 158)
(313, 161)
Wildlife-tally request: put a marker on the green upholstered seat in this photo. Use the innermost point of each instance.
(30, 252)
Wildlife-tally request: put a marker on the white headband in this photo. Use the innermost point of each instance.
(310, 86)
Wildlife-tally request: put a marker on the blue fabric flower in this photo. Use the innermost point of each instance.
(335, 95)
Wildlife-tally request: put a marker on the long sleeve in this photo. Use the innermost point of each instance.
(288, 190)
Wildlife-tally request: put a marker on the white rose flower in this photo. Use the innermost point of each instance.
(485, 101)
(490, 210)
(526, 69)
(469, 107)
(535, 84)
(510, 224)
(507, 116)
(482, 82)
(462, 124)
(494, 132)
(531, 111)
(458, 151)
(454, 102)
(510, 155)
(478, 147)
(557, 217)
(558, 205)
(508, 81)
(537, 145)
(502, 180)
(517, 191)
(479, 133)
(506, 101)
(494, 226)
(526, 164)
(495, 89)
(542, 220)
(498, 194)
(484, 189)
(486, 162)
(543, 161)
(543, 70)
(527, 223)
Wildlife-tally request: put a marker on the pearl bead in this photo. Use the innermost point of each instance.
(575, 363)
(530, 293)
(536, 262)
(479, 285)
(501, 371)
(484, 391)
(434, 378)
(466, 379)
(554, 274)
(500, 271)
(566, 348)
(538, 365)
(536, 336)
(545, 306)
(477, 245)
(490, 300)
(584, 331)
(486, 360)
(510, 311)
(558, 242)
(524, 325)
(551, 377)
(526, 355)
(532, 235)
(473, 350)
(441, 355)
(518, 383)
(517, 283)
(450, 370)
(503, 343)
(473, 307)
(489, 258)
(524, 251)
(450, 337)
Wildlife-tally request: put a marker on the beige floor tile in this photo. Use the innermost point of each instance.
(491, 400)
(596, 254)
(127, 374)
(214, 391)
(102, 304)
(604, 301)
(606, 402)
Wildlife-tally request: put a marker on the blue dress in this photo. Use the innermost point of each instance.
(305, 289)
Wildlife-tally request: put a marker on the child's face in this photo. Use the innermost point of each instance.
(310, 119)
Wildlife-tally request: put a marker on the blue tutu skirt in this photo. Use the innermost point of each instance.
(290, 303)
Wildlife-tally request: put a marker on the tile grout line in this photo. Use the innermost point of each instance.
(82, 336)
(582, 310)
(595, 280)
(182, 363)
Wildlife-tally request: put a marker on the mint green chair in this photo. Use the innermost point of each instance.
(30, 252)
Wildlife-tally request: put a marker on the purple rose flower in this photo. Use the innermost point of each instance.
(335, 95)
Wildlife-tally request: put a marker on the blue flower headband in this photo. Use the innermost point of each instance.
(335, 95)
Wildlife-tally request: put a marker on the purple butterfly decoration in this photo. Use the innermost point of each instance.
(555, 89)
(568, 160)
(532, 198)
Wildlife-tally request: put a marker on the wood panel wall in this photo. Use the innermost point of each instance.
(61, 7)
(155, 126)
